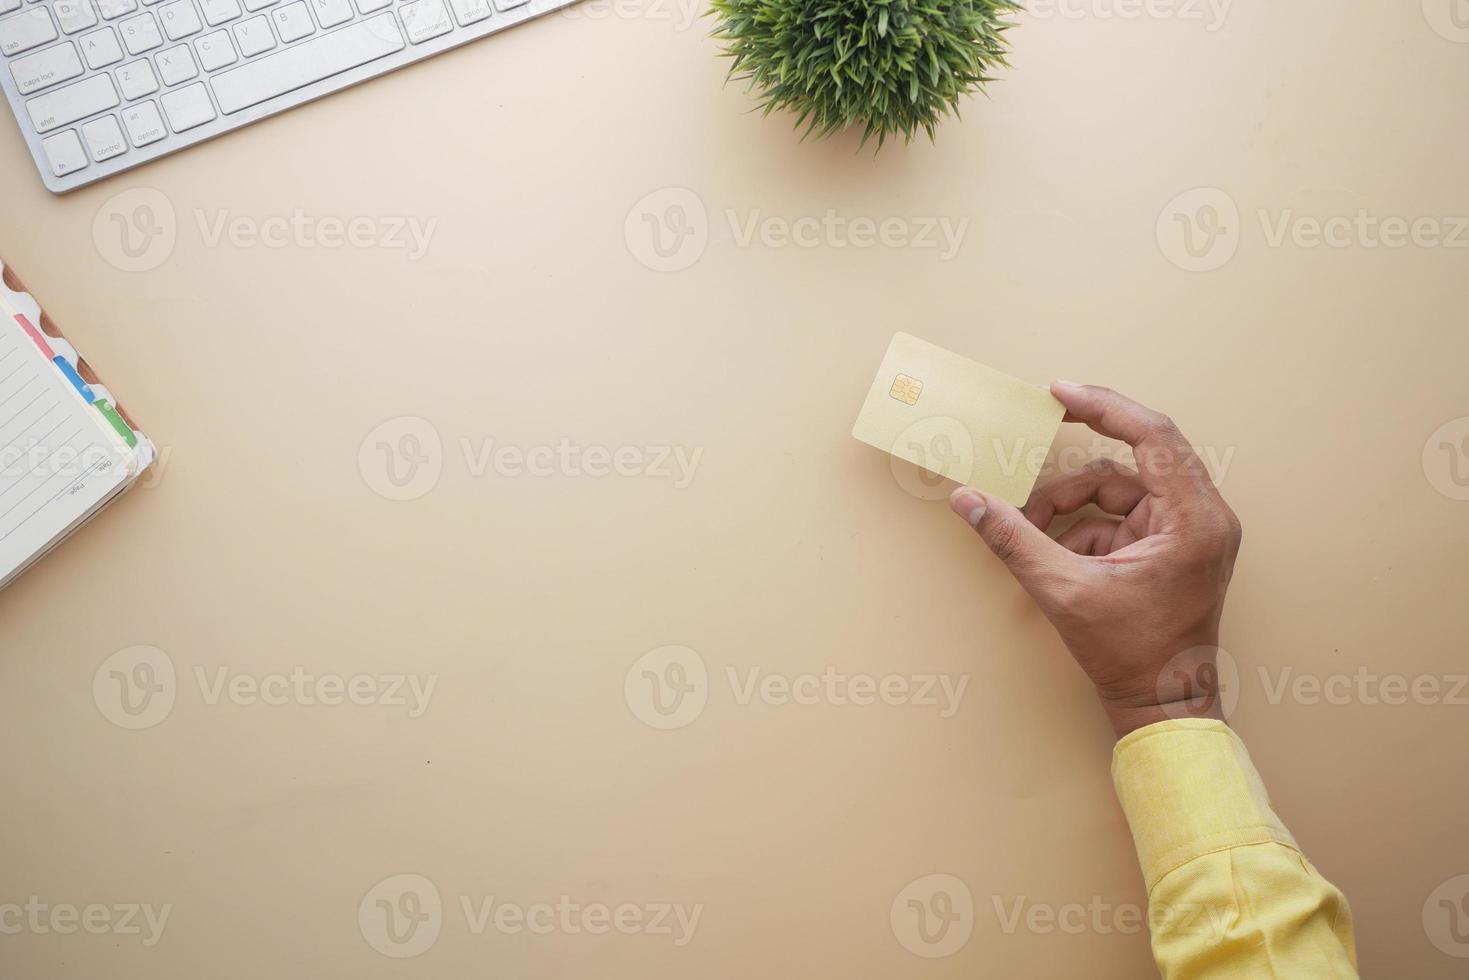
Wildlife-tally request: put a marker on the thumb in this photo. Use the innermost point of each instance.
(1024, 548)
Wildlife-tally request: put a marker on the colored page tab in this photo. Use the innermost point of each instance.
(36, 336)
(74, 378)
(122, 427)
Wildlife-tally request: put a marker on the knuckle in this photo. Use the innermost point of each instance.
(1005, 540)
(1236, 527)
(1159, 424)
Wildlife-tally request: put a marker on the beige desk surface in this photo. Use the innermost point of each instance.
(1317, 375)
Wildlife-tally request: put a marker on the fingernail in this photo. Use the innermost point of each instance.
(1066, 384)
(968, 504)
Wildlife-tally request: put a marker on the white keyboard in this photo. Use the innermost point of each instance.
(100, 86)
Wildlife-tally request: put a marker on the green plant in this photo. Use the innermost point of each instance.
(891, 66)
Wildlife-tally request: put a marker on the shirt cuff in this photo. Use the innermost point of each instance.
(1188, 789)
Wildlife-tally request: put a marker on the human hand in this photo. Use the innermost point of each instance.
(1137, 601)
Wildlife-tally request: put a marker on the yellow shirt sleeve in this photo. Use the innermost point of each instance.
(1229, 892)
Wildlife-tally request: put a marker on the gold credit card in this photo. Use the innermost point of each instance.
(959, 419)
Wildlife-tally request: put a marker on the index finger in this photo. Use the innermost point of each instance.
(1166, 462)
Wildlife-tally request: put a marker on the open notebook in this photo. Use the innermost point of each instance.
(66, 449)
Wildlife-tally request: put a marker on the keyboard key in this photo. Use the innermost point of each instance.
(137, 80)
(26, 30)
(180, 19)
(76, 101)
(6, 6)
(471, 11)
(65, 153)
(425, 19)
(330, 13)
(510, 4)
(140, 34)
(36, 71)
(143, 123)
(218, 12)
(368, 6)
(113, 9)
(176, 65)
(75, 15)
(254, 36)
(293, 21)
(257, 5)
(215, 51)
(188, 107)
(310, 61)
(104, 138)
(101, 49)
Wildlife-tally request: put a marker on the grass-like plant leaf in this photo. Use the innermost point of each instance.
(889, 66)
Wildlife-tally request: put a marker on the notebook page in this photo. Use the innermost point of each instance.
(57, 461)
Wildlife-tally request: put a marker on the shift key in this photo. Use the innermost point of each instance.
(67, 105)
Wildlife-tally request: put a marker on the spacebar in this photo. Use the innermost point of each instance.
(311, 61)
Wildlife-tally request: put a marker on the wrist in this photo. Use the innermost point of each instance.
(1128, 718)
